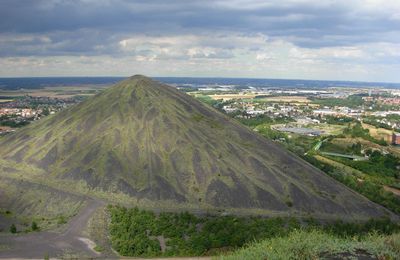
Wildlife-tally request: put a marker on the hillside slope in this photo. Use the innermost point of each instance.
(151, 142)
(315, 244)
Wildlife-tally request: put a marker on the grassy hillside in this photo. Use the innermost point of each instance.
(22, 203)
(302, 244)
(150, 143)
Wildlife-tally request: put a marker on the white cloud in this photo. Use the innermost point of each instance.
(351, 39)
(205, 55)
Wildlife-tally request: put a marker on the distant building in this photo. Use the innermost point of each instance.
(341, 95)
(324, 112)
(229, 109)
(396, 138)
(389, 101)
(368, 99)
(255, 112)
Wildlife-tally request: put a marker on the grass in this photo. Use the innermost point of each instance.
(316, 244)
(338, 165)
(329, 129)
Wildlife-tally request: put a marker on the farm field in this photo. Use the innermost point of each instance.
(377, 133)
(232, 96)
(54, 92)
(346, 141)
(299, 99)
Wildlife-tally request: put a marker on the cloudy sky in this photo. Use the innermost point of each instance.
(300, 39)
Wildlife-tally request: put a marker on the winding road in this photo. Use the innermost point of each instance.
(52, 244)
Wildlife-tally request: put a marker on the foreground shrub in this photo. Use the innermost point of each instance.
(137, 232)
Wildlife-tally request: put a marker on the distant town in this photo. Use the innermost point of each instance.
(16, 112)
(306, 111)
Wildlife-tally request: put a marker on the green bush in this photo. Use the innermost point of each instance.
(13, 229)
(34, 226)
(135, 232)
(369, 189)
(61, 220)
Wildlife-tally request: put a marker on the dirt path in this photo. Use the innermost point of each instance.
(392, 190)
(52, 244)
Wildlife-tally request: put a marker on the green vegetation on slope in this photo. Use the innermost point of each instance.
(374, 121)
(315, 244)
(136, 232)
(378, 164)
(353, 149)
(367, 187)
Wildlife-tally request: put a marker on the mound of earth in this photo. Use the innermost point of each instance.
(151, 142)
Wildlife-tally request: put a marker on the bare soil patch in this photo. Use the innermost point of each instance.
(392, 190)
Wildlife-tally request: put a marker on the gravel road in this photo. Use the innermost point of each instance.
(40, 244)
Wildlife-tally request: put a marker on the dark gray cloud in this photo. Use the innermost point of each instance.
(95, 27)
(329, 39)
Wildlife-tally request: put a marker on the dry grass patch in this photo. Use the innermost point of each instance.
(377, 133)
(232, 96)
(299, 99)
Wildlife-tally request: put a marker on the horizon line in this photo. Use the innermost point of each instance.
(203, 77)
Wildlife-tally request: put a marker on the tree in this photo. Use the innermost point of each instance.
(46, 111)
(13, 229)
(356, 148)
